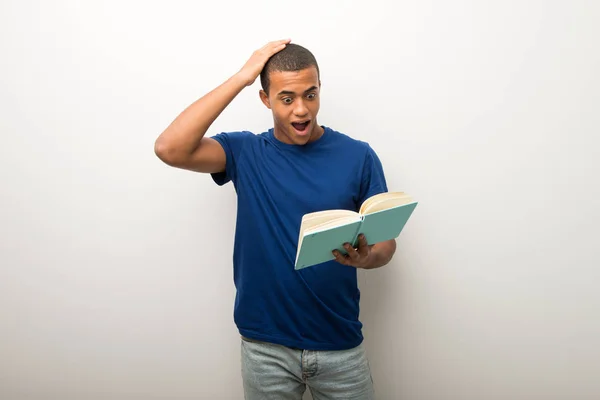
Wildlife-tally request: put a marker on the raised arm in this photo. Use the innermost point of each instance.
(183, 144)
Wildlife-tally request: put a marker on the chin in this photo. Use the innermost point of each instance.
(300, 139)
(303, 136)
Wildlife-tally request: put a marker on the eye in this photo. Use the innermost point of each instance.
(287, 100)
(311, 96)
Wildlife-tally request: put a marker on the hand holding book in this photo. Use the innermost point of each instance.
(359, 258)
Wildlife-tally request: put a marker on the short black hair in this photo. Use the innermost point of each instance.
(292, 58)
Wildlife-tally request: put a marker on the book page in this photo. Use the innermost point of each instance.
(384, 201)
(332, 224)
(317, 218)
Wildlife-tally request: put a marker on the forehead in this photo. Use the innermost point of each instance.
(293, 81)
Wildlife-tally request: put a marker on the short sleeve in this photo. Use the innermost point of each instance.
(373, 178)
(233, 144)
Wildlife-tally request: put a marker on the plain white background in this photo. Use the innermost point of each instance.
(115, 270)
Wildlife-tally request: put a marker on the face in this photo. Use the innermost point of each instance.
(294, 100)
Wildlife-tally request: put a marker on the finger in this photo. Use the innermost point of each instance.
(275, 43)
(282, 41)
(339, 257)
(276, 48)
(352, 253)
(268, 51)
(363, 246)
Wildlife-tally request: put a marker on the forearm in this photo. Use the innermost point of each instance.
(185, 133)
(381, 254)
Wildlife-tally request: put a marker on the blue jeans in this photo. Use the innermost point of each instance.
(271, 371)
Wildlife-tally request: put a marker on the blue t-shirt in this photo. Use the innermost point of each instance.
(315, 308)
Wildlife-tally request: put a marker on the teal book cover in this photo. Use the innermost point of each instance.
(385, 225)
(317, 247)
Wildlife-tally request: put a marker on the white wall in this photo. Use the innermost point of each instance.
(115, 270)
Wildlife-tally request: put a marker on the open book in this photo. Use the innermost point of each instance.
(381, 217)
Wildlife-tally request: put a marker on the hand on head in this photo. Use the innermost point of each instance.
(251, 70)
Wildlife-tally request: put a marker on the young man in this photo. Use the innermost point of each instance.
(298, 327)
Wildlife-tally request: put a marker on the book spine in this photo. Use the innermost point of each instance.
(355, 239)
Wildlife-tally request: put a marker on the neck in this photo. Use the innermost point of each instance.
(316, 133)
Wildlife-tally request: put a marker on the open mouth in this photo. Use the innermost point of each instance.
(301, 127)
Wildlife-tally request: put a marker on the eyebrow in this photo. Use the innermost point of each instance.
(289, 92)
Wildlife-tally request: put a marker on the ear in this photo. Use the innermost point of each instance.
(264, 98)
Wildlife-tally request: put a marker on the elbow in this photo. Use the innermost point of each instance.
(162, 150)
(166, 152)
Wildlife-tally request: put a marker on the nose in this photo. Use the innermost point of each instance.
(300, 109)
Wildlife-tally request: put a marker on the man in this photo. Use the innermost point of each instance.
(299, 327)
